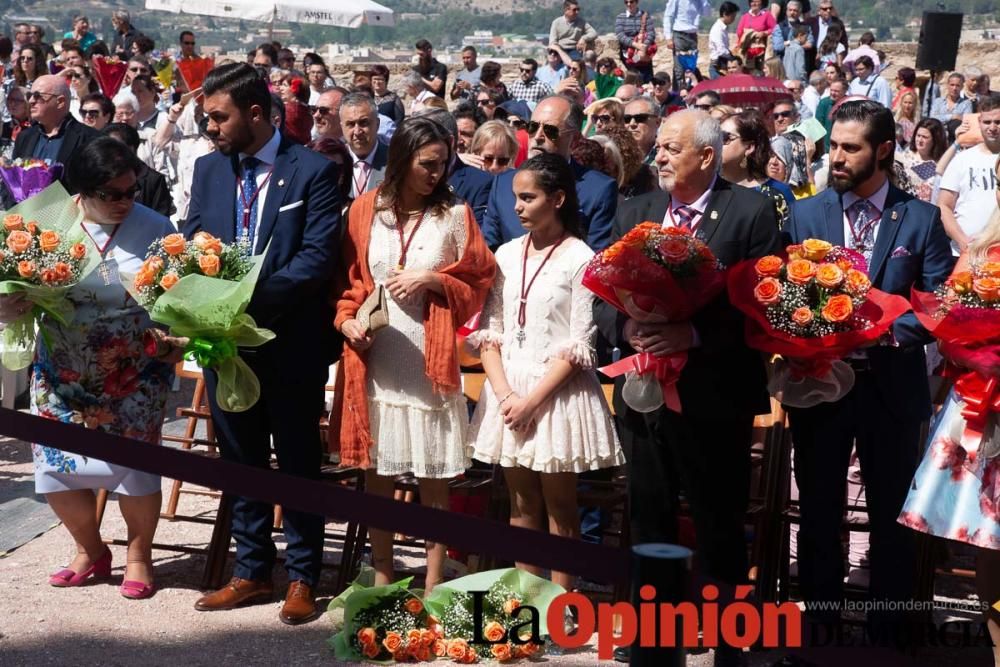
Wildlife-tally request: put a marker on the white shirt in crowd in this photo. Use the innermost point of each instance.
(718, 40)
(683, 16)
(971, 177)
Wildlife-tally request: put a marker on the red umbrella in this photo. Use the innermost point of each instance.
(743, 90)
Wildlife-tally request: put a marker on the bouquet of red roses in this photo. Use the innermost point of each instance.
(964, 315)
(667, 275)
(815, 306)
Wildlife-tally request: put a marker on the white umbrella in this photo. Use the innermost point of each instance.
(342, 13)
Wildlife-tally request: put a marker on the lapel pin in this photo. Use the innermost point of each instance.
(281, 183)
(714, 215)
(894, 215)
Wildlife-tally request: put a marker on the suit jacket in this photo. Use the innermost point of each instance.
(300, 228)
(154, 191)
(598, 194)
(473, 187)
(75, 135)
(723, 377)
(911, 250)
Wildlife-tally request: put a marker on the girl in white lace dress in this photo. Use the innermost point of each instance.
(425, 248)
(542, 414)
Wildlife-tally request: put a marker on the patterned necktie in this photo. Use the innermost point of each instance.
(246, 220)
(684, 216)
(863, 216)
(363, 173)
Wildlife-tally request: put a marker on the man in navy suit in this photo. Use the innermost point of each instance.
(555, 124)
(906, 246)
(281, 198)
(470, 184)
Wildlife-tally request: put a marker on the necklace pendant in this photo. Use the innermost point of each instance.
(520, 336)
(107, 271)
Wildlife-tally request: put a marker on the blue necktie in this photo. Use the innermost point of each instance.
(244, 194)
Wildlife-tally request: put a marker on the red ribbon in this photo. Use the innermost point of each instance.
(667, 369)
(981, 397)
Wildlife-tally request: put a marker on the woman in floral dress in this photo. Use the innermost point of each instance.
(955, 493)
(93, 371)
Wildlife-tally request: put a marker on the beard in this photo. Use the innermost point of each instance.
(853, 179)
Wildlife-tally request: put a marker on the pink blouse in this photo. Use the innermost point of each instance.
(761, 22)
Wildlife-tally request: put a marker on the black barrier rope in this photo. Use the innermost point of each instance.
(468, 533)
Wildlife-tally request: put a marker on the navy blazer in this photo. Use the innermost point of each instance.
(911, 251)
(473, 187)
(299, 227)
(598, 194)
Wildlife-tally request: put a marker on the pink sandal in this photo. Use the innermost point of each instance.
(100, 569)
(136, 590)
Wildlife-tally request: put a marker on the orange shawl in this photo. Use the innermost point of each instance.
(466, 284)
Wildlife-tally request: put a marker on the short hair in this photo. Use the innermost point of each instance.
(413, 79)
(610, 105)
(793, 2)
(268, 50)
(728, 8)
(973, 72)
(907, 75)
(466, 111)
(443, 118)
(575, 118)
(880, 126)
(956, 75)
(712, 96)
(867, 38)
(531, 62)
(243, 85)
(107, 106)
(652, 106)
(817, 78)
(990, 102)
(284, 54)
(180, 37)
(98, 48)
(141, 59)
(423, 45)
(382, 71)
(359, 99)
(707, 133)
(553, 173)
(570, 3)
(866, 61)
(126, 96)
(126, 133)
(469, 49)
(494, 130)
(799, 30)
(490, 71)
(97, 162)
(144, 43)
(122, 15)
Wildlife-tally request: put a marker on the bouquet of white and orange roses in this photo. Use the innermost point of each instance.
(200, 290)
(814, 305)
(42, 255)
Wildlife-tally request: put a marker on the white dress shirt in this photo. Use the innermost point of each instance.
(877, 200)
(267, 155)
(699, 205)
(684, 16)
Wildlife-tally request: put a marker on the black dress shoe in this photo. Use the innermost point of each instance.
(623, 654)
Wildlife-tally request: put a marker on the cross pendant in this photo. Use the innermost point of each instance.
(520, 336)
(106, 271)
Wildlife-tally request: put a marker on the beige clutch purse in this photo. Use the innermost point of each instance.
(374, 312)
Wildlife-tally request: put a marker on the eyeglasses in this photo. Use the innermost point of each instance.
(89, 113)
(551, 132)
(322, 111)
(188, 43)
(778, 115)
(639, 118)
(485, 102)
(501, 161)
(114, 196)
(729, 137)
(37, 96)
(602, 118)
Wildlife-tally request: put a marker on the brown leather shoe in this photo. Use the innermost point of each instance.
(300, 604)
(237, 592)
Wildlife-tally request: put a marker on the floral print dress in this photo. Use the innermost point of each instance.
(94, 372)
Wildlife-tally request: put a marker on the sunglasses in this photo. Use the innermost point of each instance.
(516, 122)
(501, 161)
(660, 82)
(40, 97)
(825, 9)
(639, 118)
(73, 75)
(322, 111)
(138, 70)
(526, 70)
(114, 196)
(485, 103)
(551, 132)
(90, 113)
(602, 118)
(23, 58)
(188, 43)
(777, 115)
(729, 137)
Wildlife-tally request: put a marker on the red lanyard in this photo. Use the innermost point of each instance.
(860, 237)
(248, 204)
(111, 237)
(404, 245)
(522, 308)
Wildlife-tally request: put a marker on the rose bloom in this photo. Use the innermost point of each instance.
(816, 249)
(987, 289)
(414, 606)
(800, 271)
(802, 316)
(794, 252)
(530, 649)
(672, 231)
(25, 268)
(169, 280)
(392, 641)
(13, 222)
(457, 648)
(510, 606)
(494, 632)
(207, 243)
(62, 270)
(49, 241)
(991, 269)
(768, 291)
(413, 636)
(366, 636)
(371, 650)
(440, 648)
(143, 278)
(838, 308)
(153, 264)
(674, 250)
(501, 652)
(78, 251)
(856, 282)
(49, 277)
(174, 244)
(426, 637)
(768, 267)
(32, 228)
(844, 264)
(470, 657)
(18, 241)
(209, 265)
(829, 275)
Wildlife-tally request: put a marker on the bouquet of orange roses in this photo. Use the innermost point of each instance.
(42, 255)
(815, 305)
(964, 315)
(200, 290)
(665, 274)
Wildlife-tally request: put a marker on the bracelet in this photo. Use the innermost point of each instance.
(172, 122)
(509, 394)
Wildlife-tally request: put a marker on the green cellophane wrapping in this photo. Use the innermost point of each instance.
(53, 209)
(210, 312)
(343, 609)
(535, 591)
